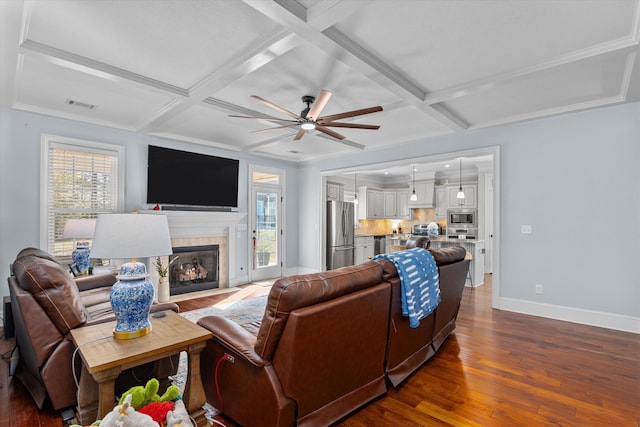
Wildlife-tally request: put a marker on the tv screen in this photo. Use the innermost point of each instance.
(176, 177)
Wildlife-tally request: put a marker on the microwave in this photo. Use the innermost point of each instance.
(462, 218)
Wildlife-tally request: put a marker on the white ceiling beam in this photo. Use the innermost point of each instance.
(355, 56)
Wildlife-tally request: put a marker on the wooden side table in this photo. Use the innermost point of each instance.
(105, 357)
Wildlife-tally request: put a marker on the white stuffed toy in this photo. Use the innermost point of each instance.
(179, 417)
(126, 416)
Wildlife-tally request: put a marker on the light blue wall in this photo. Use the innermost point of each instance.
(20, 135)
(575, 178)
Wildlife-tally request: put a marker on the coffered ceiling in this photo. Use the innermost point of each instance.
(179, 68)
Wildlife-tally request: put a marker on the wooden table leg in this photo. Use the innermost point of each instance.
(194, 396)
(106, 389)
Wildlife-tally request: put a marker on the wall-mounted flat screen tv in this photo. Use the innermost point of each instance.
(182, 178)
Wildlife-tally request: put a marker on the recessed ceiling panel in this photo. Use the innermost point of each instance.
(441, 43)
(43, 86)
(208, 124)
(307, 148)
(588, 82)
(174, 41)
(305, 70)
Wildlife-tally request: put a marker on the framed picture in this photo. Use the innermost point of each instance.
(74, 269)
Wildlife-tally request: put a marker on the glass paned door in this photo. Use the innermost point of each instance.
(266, 233)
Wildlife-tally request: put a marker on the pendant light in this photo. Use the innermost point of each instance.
(355, 188)
(414, 197)
(460, 195)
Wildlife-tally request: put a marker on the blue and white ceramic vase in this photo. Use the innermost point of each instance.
(131, 298)
(81, 256)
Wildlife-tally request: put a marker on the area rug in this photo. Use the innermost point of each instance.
(241, 312)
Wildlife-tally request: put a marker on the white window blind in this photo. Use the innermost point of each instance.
(82, 181)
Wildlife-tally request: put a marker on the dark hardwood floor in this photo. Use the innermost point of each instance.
(498, 369)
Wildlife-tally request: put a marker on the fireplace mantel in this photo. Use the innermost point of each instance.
(202, 224)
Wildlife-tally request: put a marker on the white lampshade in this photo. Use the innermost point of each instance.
(131, 236)
(79, 228)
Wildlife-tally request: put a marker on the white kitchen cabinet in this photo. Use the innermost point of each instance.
(390, 203)
(371, 203)
(364, 249)
(335, 191)
(470, 198)
(424, 193)
(475, 277)
(402, 203)
(442, 202)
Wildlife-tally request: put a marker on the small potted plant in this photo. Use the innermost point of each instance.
(163, 283)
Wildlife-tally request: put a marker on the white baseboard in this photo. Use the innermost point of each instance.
(571, 314)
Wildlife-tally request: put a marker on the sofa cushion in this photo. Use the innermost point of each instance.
(444, 256)
(53, 289)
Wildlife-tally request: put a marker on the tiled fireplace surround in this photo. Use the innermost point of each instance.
(199, 228)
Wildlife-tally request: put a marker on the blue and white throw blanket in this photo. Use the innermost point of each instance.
(419, 281)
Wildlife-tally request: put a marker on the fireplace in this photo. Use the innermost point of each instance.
(195, 269)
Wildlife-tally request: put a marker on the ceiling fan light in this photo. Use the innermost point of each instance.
(308, 126)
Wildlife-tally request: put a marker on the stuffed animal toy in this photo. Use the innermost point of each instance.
(179, 417)
(125, 415)
(142, 396)
(157, 410)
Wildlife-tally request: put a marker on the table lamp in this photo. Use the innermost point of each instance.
(131, 236)
(80, 228)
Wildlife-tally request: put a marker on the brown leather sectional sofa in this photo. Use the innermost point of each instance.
(47, 304)
(328, 343)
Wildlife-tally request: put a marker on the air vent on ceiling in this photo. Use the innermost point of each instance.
(80, 104)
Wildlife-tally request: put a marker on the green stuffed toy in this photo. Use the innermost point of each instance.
(142, 396)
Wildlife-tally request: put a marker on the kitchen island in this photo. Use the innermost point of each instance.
(473, 247)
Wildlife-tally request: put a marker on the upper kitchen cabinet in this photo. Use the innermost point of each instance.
(470, 196)
(447, 198)
(335, 191)
(383, 204)
(402, 203)
(442, 202)
(425, 194)
(371, 203)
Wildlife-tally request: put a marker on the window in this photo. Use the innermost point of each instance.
(80, 179)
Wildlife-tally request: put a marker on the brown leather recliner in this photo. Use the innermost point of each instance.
(46, 304)
(409, 348)
(317, 355)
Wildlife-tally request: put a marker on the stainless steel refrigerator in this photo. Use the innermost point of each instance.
(340, 234)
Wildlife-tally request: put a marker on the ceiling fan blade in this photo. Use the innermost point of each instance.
(350, 114)
(276, 107)
(300, 134)
(273, 128)
(319, 104)
(350, 125)
(263, 118)
(330, 132)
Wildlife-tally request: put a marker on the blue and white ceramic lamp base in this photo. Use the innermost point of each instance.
(81, 257)
(131, 298)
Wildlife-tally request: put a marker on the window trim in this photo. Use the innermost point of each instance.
(48, 141)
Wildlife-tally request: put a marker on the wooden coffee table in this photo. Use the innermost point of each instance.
(105, 357)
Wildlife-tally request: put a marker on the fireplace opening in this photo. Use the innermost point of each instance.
(196, 269)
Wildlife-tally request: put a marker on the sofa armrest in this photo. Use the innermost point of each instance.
(93, 281)
(234, 337)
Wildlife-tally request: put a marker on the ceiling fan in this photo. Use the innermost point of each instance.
(310, 118)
